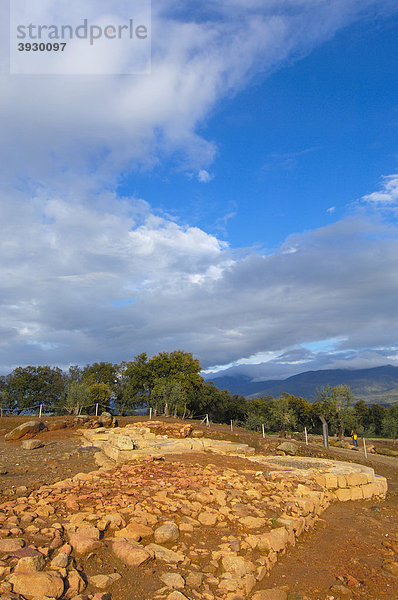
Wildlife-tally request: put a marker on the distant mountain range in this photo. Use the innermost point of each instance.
(378, 385)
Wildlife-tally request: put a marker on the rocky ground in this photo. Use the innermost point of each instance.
(190, 526)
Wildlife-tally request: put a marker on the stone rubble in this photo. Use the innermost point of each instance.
(155, 519)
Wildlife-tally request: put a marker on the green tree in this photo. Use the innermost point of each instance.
(390, 422)
(100, 393)
(169, 396)
(135, 383)
(78, 396)
(302, 411)
(332, 403)
(282, 415)
(28, 387)
(377, 413)
(102, 372)
(259, 412)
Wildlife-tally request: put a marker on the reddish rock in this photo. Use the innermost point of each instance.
(11, 545)
(135, 531)
(74, 584)
(130, 552)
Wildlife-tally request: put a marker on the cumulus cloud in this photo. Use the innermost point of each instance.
(88, 276)
(82, 284)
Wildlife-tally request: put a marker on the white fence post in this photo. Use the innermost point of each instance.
(150, 412)
(306, 436)
(96, 410)
(232, 427)
(364, 447)
(40, 410)
(263, 428)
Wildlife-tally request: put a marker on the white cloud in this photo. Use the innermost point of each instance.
(86, 276)
(81, 283)
(204, 176)
(101, 125)
(388, 196)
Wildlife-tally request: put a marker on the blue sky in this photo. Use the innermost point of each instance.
(239, 203)
(315, 135)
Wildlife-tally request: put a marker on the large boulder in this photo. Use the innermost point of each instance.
(25, 430)
(38, 585)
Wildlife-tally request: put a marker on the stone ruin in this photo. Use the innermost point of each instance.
(155, 519)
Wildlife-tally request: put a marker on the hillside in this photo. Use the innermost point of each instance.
(377, 385)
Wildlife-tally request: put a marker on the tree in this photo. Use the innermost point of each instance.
(78, 396)
(168, 395)
(102, 372)
(332, 403)
(135, 383)
(100, 393)
(28, 387)
(390, 422)
(259, 413)
(376, 417)
(282, 415)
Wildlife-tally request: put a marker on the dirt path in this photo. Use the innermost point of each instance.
(351, 544)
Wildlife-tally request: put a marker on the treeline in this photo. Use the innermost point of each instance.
(168, 382)
(335, 404)
(171, 384)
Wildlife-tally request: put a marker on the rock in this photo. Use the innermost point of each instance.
(38, 585)
(101, 596)
(176, 596)
(134, 531)
(173, 580)
(106, 419)
(391, 567)
(104, 581)
(130, 552)
(208, 519)
(74, 584)
(237, 565)
(288, 448)
(111, 521)
(3, 470)
(168, 532)
(21, 490)
(30, 564)
(194, 580)
(163, 553)
(83, 543)
(26, 429)
(32, 444)
(11, 545)
(386, 451)
(341, 591)
(61, 561)
(271, 594)
(252, 522)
